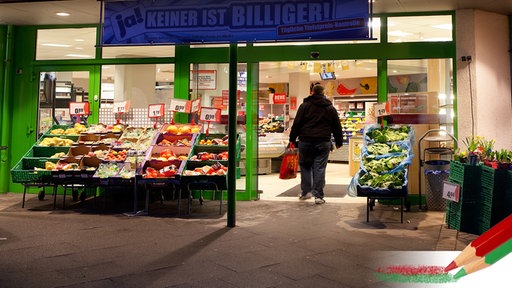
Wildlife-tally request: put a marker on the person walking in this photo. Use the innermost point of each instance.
(315, 124)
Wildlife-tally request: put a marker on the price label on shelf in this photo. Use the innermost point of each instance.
(156, 110)
(210, 114)
(121, 107)
(195, 106)
(381, 109)
(451, 191)
(180, 105)
(79, 108)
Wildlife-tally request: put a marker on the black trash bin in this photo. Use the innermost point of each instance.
(436, 172)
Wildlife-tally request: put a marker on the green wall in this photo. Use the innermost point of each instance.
(19, 102)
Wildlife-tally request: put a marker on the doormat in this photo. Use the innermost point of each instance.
(330, 190)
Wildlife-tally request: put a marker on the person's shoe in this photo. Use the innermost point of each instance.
(306, 196)
(319, 201)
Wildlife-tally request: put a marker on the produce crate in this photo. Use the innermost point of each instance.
(171, 140)
(496, 184)
(180, 129)
(367, 191)
(468, 178)
(74, 138)
(219, 180)
(88, 138)
(63, 127)
(61, 176)
(212, 148)
(21, 173)
(48, 151)
(79, 150)
(464, 217)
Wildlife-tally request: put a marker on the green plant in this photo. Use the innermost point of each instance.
(473, 144)
(487, 148)
(503, 156)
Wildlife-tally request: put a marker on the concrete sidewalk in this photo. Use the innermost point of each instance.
(275, 243)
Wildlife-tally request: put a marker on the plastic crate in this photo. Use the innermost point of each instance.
(468, 178)
(367, 191)
(48, 151)
(496, 184)
(463, 216)
(25, 174)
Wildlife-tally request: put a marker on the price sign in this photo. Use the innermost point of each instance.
(210, 114)
(451, 191)
(279, 98)
(79, 108)
(180, 105)
(156, 110)
(195, 106)
(381, 109)
(121, 107)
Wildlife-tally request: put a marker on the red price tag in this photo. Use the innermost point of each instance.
(180, 105)
(121, 107)
(279, 98)
(79, 108)
(156, 110)
(451, 191)
(209, 114)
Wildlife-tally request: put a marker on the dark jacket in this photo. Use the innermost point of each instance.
(315, 120)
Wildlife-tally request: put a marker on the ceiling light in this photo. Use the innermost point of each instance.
(56, 45)
(375, 23)
(79, 40)
(62, 14)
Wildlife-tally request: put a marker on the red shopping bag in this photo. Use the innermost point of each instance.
(290, 164)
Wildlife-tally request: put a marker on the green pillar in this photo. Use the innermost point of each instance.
(233, 61)
(7, 50)
(251, 139)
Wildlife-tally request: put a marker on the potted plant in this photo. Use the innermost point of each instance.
(488, 155)
(503, 157)
(474, 148)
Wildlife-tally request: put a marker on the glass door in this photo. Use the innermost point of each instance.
(57, 90)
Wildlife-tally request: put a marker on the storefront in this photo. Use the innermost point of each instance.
(272, 81)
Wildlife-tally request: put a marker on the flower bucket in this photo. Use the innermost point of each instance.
(473, 159)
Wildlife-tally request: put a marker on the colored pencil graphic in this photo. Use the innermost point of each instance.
(485, 243)
(489, 259)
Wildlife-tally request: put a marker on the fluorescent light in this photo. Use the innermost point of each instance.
(56, 45)
(79, 56)
(79, 40)
(62, 14)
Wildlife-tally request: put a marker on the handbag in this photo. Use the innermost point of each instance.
(290, 163)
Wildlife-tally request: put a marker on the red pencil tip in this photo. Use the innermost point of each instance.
(450, 266)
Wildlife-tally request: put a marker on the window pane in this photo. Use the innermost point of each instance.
(68, 43)
(420, 28)
(422, 86)
(138, 51)
(141, 84)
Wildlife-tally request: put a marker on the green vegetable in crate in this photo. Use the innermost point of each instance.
(382, 165)
(389, 134)
(383, 149)
(385, 181)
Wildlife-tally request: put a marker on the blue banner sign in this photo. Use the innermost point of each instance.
(146, 22)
